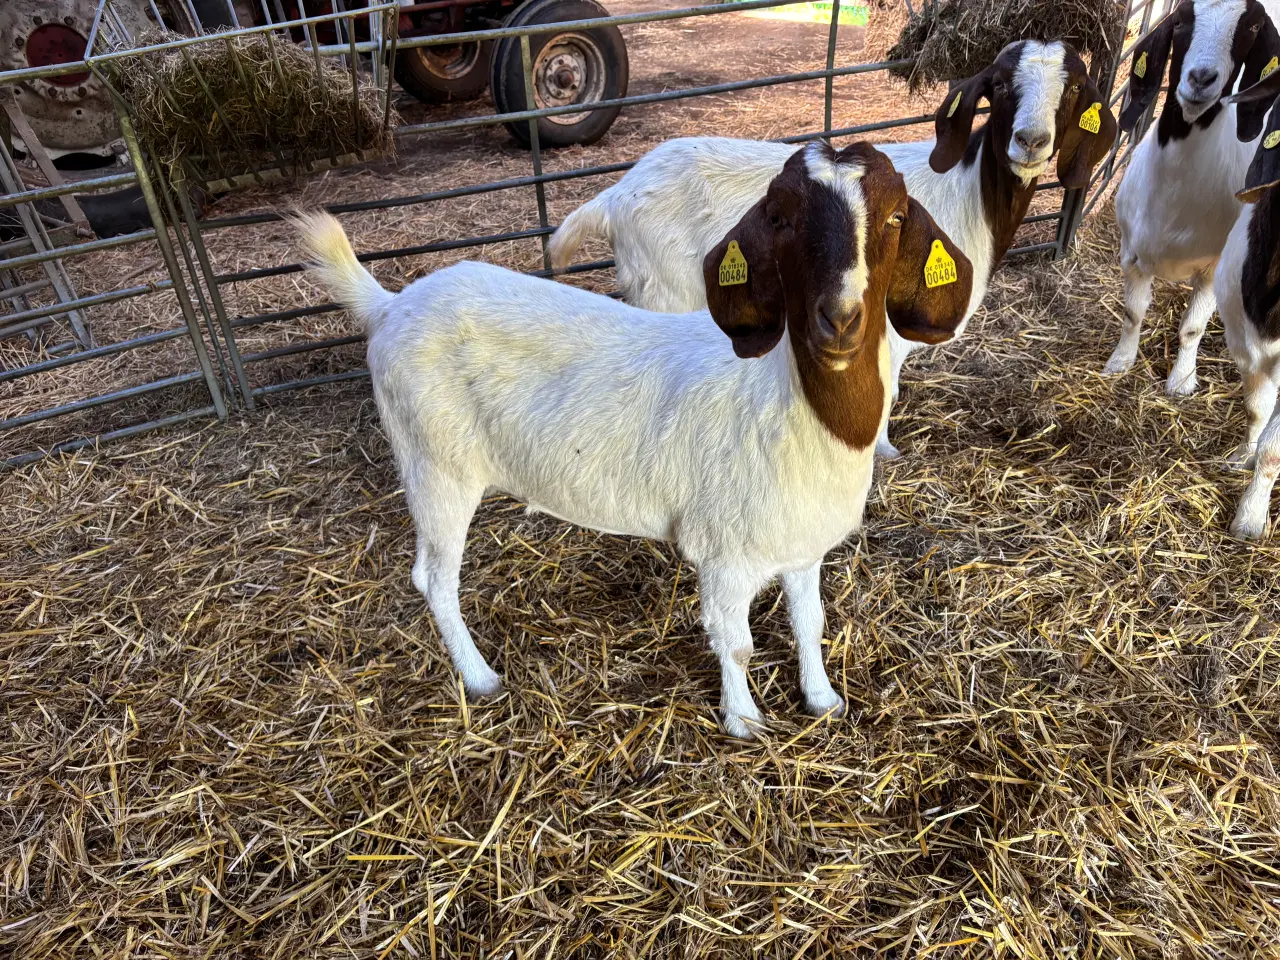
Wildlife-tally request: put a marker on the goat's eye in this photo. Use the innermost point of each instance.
(775, 221)
(898, 219)
(1256, 27)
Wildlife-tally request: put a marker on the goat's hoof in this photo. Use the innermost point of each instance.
(741, 726)
(483, 684)
(1181, 386)
(1242, 457)
(1248, 526)
(828, 704)
(1118, 365)
(887, 451)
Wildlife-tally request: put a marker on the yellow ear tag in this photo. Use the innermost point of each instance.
(940, 268)
(1091, 119)
(954, 104)
(1270, 68)
(1140, 67)
(733, 268)
(1273, 138)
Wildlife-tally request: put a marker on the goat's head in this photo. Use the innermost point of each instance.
(1211, 42)
(1264, 170)
(1042, 102)
(835, 244)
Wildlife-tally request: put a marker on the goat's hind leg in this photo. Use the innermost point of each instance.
(1251, 515)
(804, 604)
(442, 508)
(1182, 378)
(1137, 300)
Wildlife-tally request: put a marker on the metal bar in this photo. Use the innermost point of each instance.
(355, 82)
(526, 62)
(70, 446)
(360, 374)
(23, 289)
(76, 250)
(664, 97)
(77, 405)
(831, 62)
(82, 186)
(51, 173)
(1041, 217)
(210, 281)
(296, 348)
(166, 252)
(86, 355)
(375, 255)
(1032, 248)
(29, 318)
(393, 25)
(296, 313)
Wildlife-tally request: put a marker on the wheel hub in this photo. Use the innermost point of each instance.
(569, 69)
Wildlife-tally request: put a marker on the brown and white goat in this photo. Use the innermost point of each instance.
(676, 203)
(751, 451)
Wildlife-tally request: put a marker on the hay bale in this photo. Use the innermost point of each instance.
(956, 39)
(240, 104)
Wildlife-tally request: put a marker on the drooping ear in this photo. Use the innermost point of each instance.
(932, 281)
(1091, 130)
(1146, 76)
(954, 120)
(744, 291)
(1264, 169)
(1264, 57)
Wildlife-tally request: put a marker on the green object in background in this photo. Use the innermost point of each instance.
(816, 11)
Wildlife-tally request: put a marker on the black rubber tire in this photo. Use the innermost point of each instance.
(414, 74)
(613, 68)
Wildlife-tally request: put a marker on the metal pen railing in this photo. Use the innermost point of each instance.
(183, 237)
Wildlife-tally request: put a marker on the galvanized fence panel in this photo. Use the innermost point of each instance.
(215, 334)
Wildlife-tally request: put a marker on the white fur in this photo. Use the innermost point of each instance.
(843, 179)
(1210, 49)
(1258, 360)
(1176, 204)
(1040, 79)
(612, 417)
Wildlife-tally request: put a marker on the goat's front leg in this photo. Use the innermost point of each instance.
(898, 351)
(1137, 300)
(726, 599)
(1251, 515)
(804, 604)
(1182, 378)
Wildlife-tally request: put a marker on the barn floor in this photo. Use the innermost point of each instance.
(229, 730)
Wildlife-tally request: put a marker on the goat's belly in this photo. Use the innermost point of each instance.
(613, 522)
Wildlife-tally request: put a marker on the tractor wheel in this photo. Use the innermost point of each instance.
(572, 67)
(446, 73)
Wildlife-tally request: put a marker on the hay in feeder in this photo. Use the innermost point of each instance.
(956, 39)
(247, 103)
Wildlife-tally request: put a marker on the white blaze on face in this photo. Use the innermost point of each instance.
(845, 180)
(1038, 82)
(1209, 55)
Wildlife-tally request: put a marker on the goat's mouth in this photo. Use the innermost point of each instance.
(1028, 171)
(834, 358)
(1194, 107)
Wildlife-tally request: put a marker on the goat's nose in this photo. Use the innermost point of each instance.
(1031, 139)
(1202, 76)
(835, 321)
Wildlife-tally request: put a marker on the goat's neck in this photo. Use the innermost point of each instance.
(849, 403)
(1172, 125)
(1260, 280)
(1005, 196)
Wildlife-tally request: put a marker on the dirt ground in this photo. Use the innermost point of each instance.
(230, 731)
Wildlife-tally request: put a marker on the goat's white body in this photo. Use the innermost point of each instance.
(1258, 359)
(615, 418)
(612, 417)
(677, 202)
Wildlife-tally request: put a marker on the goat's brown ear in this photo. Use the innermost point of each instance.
(954, 120)
(1264, 57)
(1146, 74)
(932, 281)
(744, 291)
(1090, 133)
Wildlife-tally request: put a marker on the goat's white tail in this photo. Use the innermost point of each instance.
(335, 267)
(588, 221)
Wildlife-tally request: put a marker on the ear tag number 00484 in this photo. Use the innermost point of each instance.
(733, 268)
(1091, 119)
(940, 268)
(1270, 68)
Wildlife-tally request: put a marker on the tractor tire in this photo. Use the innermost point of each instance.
(576, 66)
(445, 74)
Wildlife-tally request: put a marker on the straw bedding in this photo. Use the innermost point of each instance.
(231, 730)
